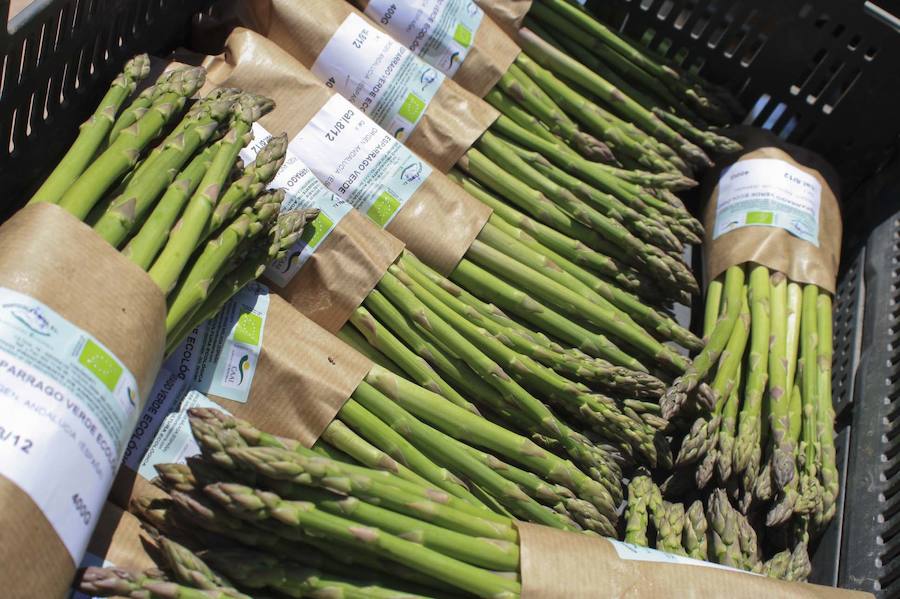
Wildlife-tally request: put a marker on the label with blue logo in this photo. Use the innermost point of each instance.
(67, 407)
(767, 192)
(378, 75)
(359, 161)
(440, 32)
(230, 343)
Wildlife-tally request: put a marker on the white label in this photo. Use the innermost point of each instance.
(67, 406)
(632, 552)
(302, 191)
(441, 32)
(359, 161)
(230, 343)
(766, 192)
(378, 75)
(211, 351)
(174, 442)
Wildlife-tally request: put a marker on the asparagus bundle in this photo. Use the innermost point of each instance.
(164, 186)
(717, 532)
(762, 433)
(275, 517)
(628, 222)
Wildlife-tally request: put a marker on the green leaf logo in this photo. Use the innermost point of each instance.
(760, 218)
(463, 35)
(101, 364)
(383, 209)
(412, 108)
(248, 329)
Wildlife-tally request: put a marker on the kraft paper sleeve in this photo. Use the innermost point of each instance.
(567, 565)
(509, 14)
(303, 378)
(51, 256)
(454, 119)
(438, 223)
(773, 247)
(489, 57)
(118, 540)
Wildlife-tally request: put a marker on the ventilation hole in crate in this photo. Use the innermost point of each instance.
(838, 31)
(47, 96)
(664, 9)
(718, 32)
(60, 19)
(757, 109)
(76, 14)
(40, 46)
(11, 147)
(822, 20)
(838, 92)
(682, 17)
(824, 83)
(789, 127)
(734, 43)
(753, 50)
(700, 26)
(817, 60)
(646, 4)
(805, 10)
(22, 58)
(871, 53)
(3, 65)
(854, 42)
(30, 115)
(664, 46)
(773, 118)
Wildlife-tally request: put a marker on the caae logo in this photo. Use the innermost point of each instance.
(31, 317)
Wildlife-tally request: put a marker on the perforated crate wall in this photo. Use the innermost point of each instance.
(822, 73)
(56, 59)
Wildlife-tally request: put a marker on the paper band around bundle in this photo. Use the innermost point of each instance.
(775, 192)
(508, 14)
(566, 565)
(51, 257)
(438, 223)
(450, 123)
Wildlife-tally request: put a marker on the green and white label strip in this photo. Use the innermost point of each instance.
(766, 192)
(378, 75)
(218, 357)
(440, 32)
(67, 406)
(303, 191)
(359, 161)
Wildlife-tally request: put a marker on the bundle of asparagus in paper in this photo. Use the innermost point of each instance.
(604, 224)
(165, 186)
(276, 517)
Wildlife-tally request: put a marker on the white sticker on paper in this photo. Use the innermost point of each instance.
(211, 359)
(766, 192)
(632, 552)
(359, 161)
(174, 442)
(67, 406)
(302, 191)
(378, 75)
(441, 32)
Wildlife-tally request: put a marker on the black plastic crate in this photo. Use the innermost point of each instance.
(56, 59)
(824, 74)
(821, 73)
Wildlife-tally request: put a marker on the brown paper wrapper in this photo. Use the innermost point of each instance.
(452, 122)
(489, 57)
(53, 257)
(303, 378)
(508, 14)
(772, 247)
(438, 223)
(118, 540)
(566, 565)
